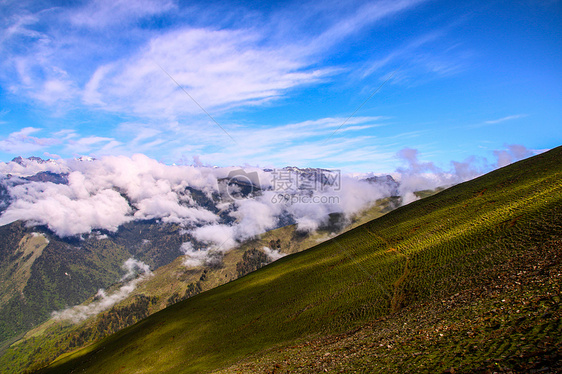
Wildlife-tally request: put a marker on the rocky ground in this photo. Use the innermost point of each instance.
(506, 320)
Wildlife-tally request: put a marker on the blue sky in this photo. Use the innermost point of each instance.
(456, 79)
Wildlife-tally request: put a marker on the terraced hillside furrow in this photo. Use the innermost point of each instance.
(453, 258)
(504, 318)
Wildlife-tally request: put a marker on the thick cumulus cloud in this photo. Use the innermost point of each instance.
(104, 194)
(219, 237)
(57, 207)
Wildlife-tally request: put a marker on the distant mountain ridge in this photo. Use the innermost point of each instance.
(20, 160)
(386, 180)
(49, 176)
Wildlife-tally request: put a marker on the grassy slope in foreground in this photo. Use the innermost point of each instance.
(400, 260)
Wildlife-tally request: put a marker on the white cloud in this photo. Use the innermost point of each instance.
(221, 237)
(219, 69)
(496, 121)
(21, 142)
(90, 95)
(103, 13)
(274, 254)
(400, 53)
(105, 193)
(98, 195)
(133, 268)
(514, 152)
(364, 15)
(54, 90)
(99, 51)
(89, 144)
(419, 175)
(301, 144)
(65, 210)
(503, 119)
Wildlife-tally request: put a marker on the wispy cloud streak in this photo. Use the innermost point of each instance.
(503, 119)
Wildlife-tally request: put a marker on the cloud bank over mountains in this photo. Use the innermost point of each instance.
(76, 196)
(104, 194)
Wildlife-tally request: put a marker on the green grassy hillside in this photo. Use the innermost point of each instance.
(416, 259)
